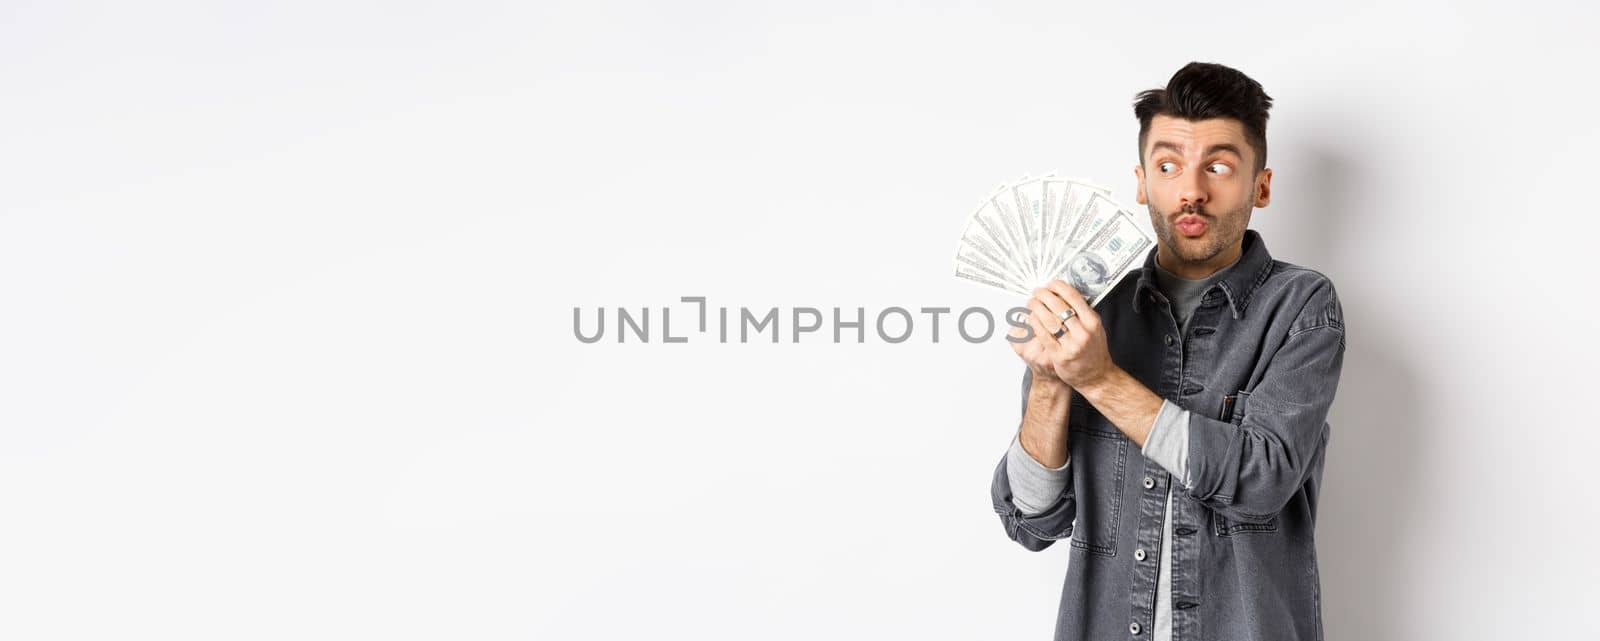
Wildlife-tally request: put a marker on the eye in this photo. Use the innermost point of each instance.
(1220, 169)
(1167, 166)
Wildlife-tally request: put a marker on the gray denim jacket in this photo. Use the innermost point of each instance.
(1257, 371)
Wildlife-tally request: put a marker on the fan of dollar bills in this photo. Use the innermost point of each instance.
(1036, 230)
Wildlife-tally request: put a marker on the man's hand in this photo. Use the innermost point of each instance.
(1079, 358)
(1078, 361)
(1034, 351)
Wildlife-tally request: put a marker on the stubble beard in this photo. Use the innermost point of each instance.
(1224, 232)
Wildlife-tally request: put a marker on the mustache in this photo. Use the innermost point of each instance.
(1188, 209)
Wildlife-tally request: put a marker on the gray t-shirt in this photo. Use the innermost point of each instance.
(1184, 294)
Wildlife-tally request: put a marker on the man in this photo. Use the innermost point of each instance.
(1177, 434)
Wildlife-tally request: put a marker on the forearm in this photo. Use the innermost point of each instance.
(1036, 503)
(1125, 402)
(1044, 422)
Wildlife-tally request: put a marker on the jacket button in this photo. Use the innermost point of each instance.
(1133, 627)
(1139, 554)
(1168, 339)
(1149, 482)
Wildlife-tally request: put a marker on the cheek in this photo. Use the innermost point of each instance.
(1230, 191)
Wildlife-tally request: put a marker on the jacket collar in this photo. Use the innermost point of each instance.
(1240, 282)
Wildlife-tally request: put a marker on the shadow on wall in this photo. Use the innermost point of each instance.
(1370, 476)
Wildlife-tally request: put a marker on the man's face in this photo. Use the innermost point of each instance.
(1197, 179)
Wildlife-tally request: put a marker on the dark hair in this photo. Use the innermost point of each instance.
(1202, 90)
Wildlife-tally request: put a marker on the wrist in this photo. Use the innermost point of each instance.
(1044, 388)
(1094, 388)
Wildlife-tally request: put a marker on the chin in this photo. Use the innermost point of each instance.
(1186, 245)
(1196, 250)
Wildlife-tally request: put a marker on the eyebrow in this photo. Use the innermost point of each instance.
(1173, 147)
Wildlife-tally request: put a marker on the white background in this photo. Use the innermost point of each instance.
(286, 346)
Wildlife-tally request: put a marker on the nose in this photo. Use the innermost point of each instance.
(1192, 189)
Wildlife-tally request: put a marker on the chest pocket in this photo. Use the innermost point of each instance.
(1233, 411)
(1099, 466)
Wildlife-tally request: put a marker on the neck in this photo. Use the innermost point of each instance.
(1196, 270)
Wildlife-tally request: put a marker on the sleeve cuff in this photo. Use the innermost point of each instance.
(1168, 442)
(1034, 487)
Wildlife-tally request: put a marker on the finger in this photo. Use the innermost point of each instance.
(1049, 317)
(1052, 327)
(1022, 325)
(1037, 308)
(1051, 301)
(1043, 332)
(1080, 306)
(1015, 321)
(1076, 336)
(1019, 315)
(1045, 317)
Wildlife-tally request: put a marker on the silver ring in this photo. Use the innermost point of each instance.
(1065, 315)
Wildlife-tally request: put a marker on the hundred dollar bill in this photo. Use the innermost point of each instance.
(977, 251)
(998, 218)
(1098, 209)
(1009, 213)
(1031, 230)
(985, 238)
(1030, 197)
(1053, 191)
(978, 255)
(1116, 247)
(985, 277)
(1056, 238)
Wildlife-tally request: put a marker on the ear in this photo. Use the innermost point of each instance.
(1138, 172)
(1264, 187)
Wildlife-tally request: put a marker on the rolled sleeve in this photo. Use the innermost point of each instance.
(1168, 441)
(1034, 487)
